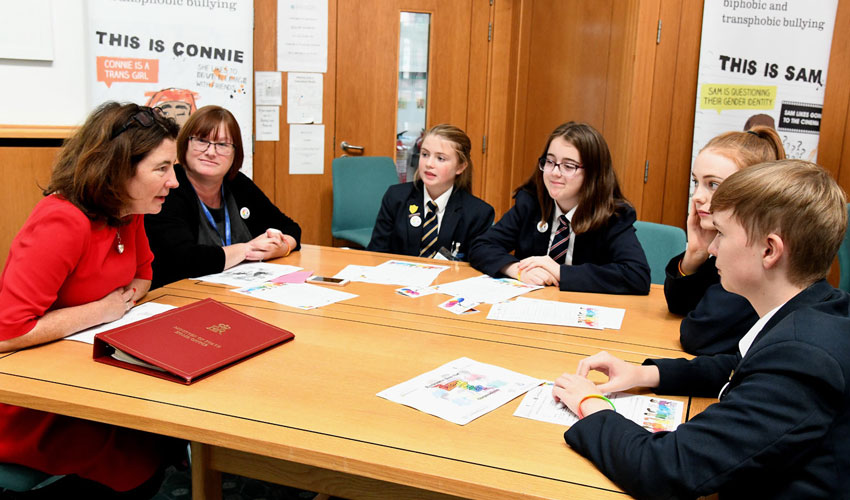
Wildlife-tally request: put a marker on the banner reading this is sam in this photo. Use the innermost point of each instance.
(764, 62)
(178, 55)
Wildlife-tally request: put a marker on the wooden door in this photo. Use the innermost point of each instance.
(368, 69)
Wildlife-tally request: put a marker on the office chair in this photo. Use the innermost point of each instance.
(19, 478)
(359, 184)
(844, 259)
(660, 243)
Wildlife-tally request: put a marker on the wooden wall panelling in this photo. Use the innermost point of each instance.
(479, 71)
(663, 81)
(681, 140)
(25, 172)
(501, 105)
(308, 199)
(265, 59)
(835, 132)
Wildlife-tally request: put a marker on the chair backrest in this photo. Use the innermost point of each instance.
(359, 184)
(660, 243)
(19, 478)
(844, 259)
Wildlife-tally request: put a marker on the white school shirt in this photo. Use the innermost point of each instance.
(441, 203)
(568, 259)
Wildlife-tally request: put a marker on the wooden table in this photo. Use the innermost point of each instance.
(305, 413)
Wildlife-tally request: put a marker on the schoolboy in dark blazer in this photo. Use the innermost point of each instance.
(443, 179)
(465, 218)
(781, 427)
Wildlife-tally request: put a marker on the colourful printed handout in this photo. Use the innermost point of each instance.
(394, 272)
(298, 295)
(650, 412)
(552, 312)
(461, 391)
(249, 273)
(486, 289)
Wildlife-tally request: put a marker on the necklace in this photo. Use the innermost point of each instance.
(120, 245)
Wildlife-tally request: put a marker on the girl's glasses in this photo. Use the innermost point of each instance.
(568, 168)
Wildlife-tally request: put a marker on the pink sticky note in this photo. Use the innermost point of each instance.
(296, 277)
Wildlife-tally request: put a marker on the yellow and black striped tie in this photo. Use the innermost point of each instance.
(428, 247)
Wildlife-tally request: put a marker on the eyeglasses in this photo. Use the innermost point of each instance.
(201, 145)
(568, 168)
(145, 118)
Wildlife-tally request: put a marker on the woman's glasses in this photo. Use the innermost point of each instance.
(145, 118)
(568, 168)
(201, 145)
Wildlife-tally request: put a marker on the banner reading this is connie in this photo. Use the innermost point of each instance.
(764, 62)
(178, 55)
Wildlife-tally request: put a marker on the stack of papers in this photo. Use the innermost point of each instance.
(249, 273)
(650, 412)
(551, 312)
(298, 295)
(486, 289)
(461, 391)
(137, 313)
(393, 272)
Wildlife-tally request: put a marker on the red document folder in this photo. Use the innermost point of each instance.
(189, 342)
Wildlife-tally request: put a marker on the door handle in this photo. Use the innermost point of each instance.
(349, 148)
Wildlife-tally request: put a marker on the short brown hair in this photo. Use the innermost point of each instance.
(202, 124)
(600, 194)
(795, 199)
(757, 145)
(94, 165)
(462, 146)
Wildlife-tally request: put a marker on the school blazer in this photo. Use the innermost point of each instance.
(465, 218)
(780, 430)
(715, 319)
(607, 260)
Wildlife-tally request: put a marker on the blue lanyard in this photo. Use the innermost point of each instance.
(225, 242)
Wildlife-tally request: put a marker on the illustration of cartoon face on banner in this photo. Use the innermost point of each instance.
(175, 103)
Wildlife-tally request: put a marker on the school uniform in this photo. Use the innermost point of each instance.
(715, 319)
(781, 428)
(605, 260)
(398, 227)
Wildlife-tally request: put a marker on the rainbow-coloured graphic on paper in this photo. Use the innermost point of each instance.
(588, 316)
(659, 416)
(464, 388)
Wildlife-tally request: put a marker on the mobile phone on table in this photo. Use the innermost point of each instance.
(327, 280)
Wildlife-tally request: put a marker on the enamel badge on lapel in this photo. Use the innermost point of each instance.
(542, 226)
(244, 212)
(413, 209)
(415, 220)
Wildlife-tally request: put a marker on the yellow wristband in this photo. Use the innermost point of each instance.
(519, 274)
(288, 248)
(597, 396)
(680, 268)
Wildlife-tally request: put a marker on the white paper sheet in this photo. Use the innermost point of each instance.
(552, 312)
(299, 295)
(304, 98)
(486, 289)
(268, 87)
(268, 123)
(306, 149)
(249, 273)
(650, 412)
(137, 313)
(302, 35)
(460, 391)
(394, 272)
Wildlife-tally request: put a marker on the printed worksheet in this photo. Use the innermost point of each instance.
(486, 289)
(650, 412)
(553, 312)
(137, 313)
(394, 272)
(298, 295)
(249, 274)
(461, 391)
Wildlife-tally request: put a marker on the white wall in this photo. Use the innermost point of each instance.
(49, 93)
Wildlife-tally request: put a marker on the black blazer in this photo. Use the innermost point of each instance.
(716, 319)
(465, 218)
(780, 430)
(607, 260)
(173, 232)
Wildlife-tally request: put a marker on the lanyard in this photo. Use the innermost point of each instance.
(226, 240)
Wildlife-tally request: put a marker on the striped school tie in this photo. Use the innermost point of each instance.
(561, 241)
(428, 247)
